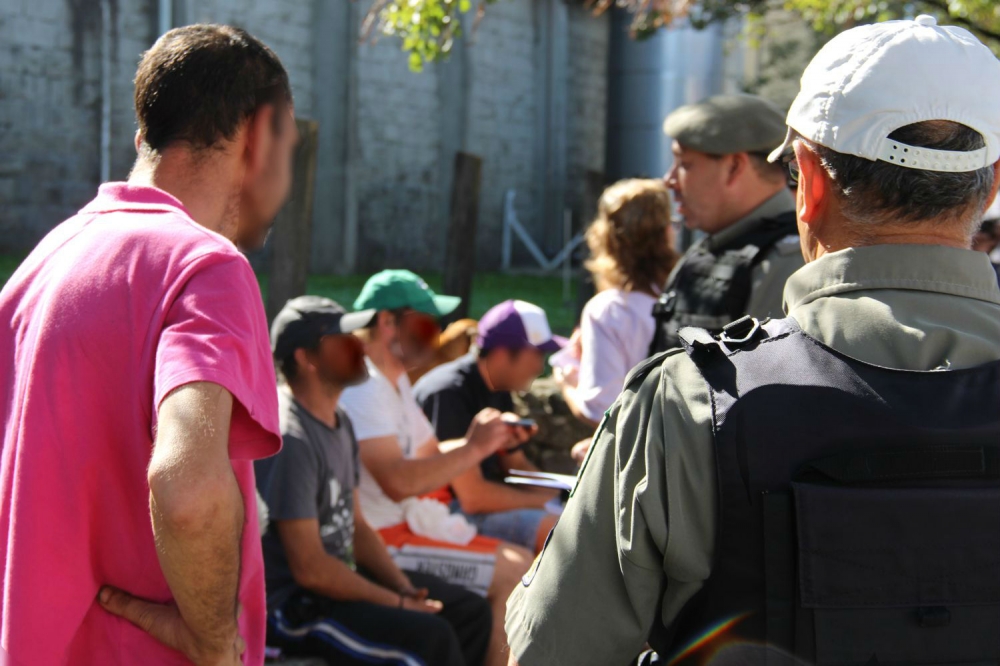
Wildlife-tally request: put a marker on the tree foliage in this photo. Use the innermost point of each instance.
(982, 17)
(428, 29)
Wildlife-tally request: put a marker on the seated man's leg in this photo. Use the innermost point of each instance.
(512, 562)
(524, 527)
(355, 633)
(469, 614)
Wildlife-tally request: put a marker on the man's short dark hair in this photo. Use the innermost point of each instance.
(874, 193)
(198, 83)
(514, 353)
(766, 170)
(289, 368)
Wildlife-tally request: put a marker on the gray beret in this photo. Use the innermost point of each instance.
(728, 124)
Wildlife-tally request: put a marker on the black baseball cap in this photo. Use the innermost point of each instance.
(306, 319)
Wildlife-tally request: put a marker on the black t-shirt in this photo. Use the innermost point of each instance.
(313, 476)
(452, 394)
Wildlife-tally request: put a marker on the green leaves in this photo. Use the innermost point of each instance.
(830, 16)
(427, 29)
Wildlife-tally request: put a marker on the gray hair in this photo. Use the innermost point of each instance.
(874, 193)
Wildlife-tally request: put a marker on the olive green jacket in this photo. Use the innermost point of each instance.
(640, 526)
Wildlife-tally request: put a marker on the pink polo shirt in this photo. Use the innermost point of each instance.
(116, 307)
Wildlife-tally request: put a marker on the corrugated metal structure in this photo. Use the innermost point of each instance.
(650, 78)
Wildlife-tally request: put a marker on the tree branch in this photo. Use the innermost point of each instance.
(963, 21)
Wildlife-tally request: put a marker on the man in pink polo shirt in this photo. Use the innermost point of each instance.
(136, 384)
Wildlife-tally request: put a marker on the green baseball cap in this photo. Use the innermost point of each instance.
(395, 289)
(727, 124)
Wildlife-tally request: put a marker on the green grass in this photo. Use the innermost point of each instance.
(488, 289)
(8, 264)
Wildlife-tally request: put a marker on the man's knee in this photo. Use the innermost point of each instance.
(511, 564)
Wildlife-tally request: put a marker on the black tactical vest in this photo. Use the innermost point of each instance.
(859, 508)
(711, 288)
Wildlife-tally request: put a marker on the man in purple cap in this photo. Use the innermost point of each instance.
(513, 340)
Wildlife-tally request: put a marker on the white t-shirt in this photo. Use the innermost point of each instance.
(615, 331)
(377, 409)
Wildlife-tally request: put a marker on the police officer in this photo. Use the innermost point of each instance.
(724, 186)
(824, 487)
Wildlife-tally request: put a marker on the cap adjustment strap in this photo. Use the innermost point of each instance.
(929, 159)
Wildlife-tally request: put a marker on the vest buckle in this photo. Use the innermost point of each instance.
(666, 305)
(741, 331)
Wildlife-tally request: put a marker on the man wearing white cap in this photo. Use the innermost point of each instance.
(823, 488)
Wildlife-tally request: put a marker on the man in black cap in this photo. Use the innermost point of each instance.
(724, 187)
(333, 591)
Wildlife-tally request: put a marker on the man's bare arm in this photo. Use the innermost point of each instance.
(197, 508)
(401, 477)
(569, 395)
(370, 553)
(197, 514)
(318, 571)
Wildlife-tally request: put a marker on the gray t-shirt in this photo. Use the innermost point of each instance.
(313, 476)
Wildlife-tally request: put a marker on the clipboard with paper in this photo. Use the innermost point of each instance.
(541, 479)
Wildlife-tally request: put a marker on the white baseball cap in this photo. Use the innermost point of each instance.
(517, 324)
(871, 80)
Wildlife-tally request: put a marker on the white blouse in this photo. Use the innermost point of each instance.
(615, 331)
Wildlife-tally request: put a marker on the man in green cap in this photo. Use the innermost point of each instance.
(403, 459)
(724, 187)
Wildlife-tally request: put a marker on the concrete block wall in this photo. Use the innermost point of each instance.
(503, 107)
(284, 25)
(403, 125)
(50, 105)
(588, 107)
(398, 188)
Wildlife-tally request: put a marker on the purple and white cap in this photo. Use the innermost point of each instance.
(515, 325)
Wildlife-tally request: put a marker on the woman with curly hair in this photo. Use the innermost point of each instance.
(631, 247)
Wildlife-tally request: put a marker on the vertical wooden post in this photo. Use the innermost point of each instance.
(292, 233)
(460, 248)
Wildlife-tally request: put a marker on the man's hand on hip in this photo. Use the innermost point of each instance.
(164, 623)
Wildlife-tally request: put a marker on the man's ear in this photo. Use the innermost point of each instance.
(138, 142)
(259, 137)
(302, 359)
(736, 165)
(814, 189)
(996, 185)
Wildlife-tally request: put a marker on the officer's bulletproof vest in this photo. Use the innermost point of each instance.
(712, 286)
(859, 508)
